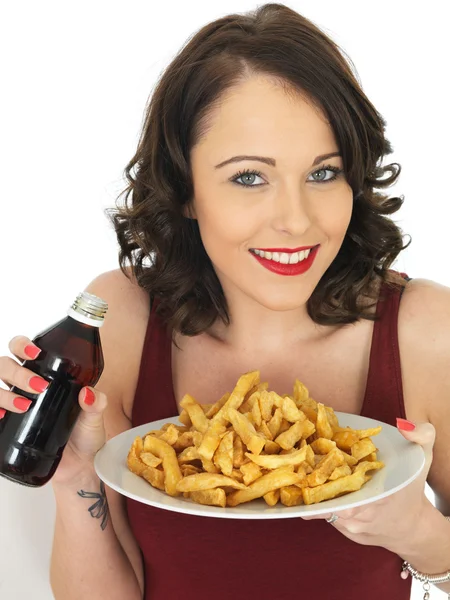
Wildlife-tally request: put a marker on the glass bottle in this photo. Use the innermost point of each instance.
(71, 357)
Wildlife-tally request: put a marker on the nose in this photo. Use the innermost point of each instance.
(291, 212)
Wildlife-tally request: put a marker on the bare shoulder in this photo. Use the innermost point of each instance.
(424, 319)
(424, 340)
(122, 334)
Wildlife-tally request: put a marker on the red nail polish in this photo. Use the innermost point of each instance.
(2, 413)
(32, 351)
(38, 384)
(22, 403)
(405, 425)
(89, 396)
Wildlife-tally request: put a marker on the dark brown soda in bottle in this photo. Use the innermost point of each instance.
(71, 357)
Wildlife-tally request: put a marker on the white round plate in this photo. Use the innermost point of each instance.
(404, 461)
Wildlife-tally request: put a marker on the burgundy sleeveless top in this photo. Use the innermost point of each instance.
(188, 557)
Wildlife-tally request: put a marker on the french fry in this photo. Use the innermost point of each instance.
(284, 425)
(237, 396)
(291, 495)
(266, 405)
(189, 470)
(332, 489)
(275, 461)
(301, 393)
(155, 477)
(245, 430)
(323, 426)
(363, 448)
(311, 413)
(251, 472)
(217, 406)
(345, 439)
(150, 459)
(172, 472)
(367, 465)
(196, 414)
(215, 497)
(211, 439)
(238, 452)
(188, 455)
(325, 467)
(291, 436)
(264, 429)
(256, 411)
(170, 435)
(272, 497)
(223, 457)
(267, 483)
(341, 471)
(133, 459)
(323, 446)
(275, 422)
(290, 411)
(271, 447)
(206, 481)
(184, 418)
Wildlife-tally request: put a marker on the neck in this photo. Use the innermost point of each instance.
(253, 325)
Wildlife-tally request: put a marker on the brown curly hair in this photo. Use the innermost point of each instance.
(275, 41)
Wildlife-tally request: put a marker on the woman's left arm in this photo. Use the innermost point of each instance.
(406, 522)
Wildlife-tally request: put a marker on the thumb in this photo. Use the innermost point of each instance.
(93, 403)
(423, 434)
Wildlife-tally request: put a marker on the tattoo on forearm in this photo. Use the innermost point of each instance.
(98, 510)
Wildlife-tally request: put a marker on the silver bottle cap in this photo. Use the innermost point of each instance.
(88, 309)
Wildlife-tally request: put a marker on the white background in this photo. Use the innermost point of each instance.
(75, 78)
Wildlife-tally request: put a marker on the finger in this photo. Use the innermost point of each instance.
(423, 434)
(93, 403)
(23, 348)
(12, 373)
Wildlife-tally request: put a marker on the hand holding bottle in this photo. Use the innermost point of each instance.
(52, 405)
(88, 435)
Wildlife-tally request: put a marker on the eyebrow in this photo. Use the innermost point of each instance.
(271, 161)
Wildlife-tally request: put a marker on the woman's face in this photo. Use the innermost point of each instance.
(250, 224)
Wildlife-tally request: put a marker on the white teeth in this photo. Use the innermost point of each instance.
(285, 258)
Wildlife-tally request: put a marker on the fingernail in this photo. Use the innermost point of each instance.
(38, 384)
(32, 351)
(405, 425)
(22, 403)
(89, 396)
(2, 413)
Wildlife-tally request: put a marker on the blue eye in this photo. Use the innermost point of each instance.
(247, 174)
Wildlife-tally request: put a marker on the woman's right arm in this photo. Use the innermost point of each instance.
(95, 554)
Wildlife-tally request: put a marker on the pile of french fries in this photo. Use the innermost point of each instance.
(252, 444)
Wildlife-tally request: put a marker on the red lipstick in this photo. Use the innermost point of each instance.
(289, 270)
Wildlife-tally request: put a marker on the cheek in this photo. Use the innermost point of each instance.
(336, 220)
(222, 225)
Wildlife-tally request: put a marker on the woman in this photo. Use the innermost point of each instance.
(253, 197)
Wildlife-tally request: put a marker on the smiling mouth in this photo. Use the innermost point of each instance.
(285, 258)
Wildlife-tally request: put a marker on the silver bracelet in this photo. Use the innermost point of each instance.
(426, 578)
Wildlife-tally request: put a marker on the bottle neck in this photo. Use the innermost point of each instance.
(84, 319)
(88, 309)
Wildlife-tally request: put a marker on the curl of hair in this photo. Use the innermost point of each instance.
(276, 42)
